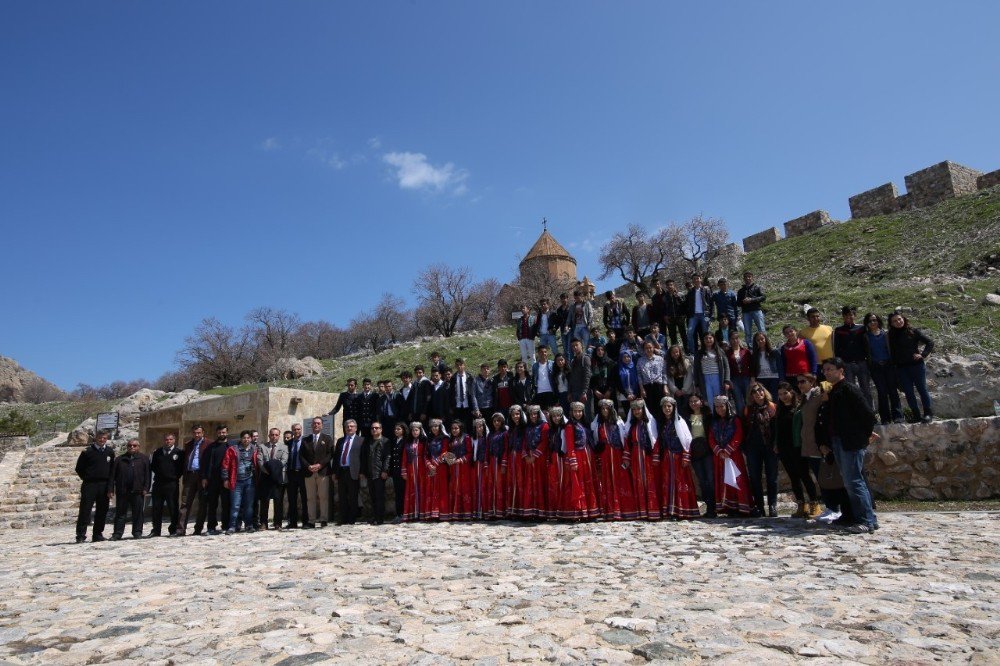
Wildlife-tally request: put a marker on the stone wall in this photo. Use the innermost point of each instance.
(808, 222)
(944, 180)
(988, 179)
(761, 239)
(955, 460)
(880, 200)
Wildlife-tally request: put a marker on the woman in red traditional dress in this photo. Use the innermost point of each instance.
(413, 469)
(586, 461)
(725, 437)
(461, 475)
(517, 435)
(494, 487)
(480, 466)
(639, 450)
(567, 500)
(533, 472)
(608, 431)
(436, 497)
(678, 499)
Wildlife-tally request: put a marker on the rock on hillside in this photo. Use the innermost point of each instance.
(15, 381)
(293, 368)
(129, 409)
(962, 387)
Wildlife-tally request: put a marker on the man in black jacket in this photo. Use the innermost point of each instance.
(378, 470)
(94, 469)
(211, 481)
(750, 297)
(349, 463)
(462, 392)
(673, 315)
(391, 407)
(130, 479)
(850, 344)
(316, 451)
(851, 420)
(348, 400)
(167, 465)
(367, 402)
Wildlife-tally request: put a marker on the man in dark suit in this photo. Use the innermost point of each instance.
(211, 481)
(391, 408)
(439, 403)
(380, 458)
(463, 395)
(367, 402)
(579, 375)
(348, 400)
(297, 481)
(420, 396)
(316, 451)
(194, 450)
(167, 466)
(349, 464)
(130, 478)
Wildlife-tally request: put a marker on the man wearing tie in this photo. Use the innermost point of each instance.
(463, 395)
(315, 454)
(349, 464)
(296, 480)
(193, 450)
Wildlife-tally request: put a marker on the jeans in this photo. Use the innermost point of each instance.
(751, 318)
(857, 372)
(704, 469)
(912, 377)
(697, 324)
(797, 469)
(852, 464)
(566, 337)
(741, 386)
(761, 457)
(527, 347)
(242, 504)
(581, 333)
(549, 340)
(884, 377)
(713, 387)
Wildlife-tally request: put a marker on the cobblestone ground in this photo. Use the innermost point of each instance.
(924, 588)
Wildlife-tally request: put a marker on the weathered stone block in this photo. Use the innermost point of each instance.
(988, 179)
(880, 200)
(936, 183)
(806, 223)
(761, 239)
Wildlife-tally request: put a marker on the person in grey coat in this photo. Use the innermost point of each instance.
(273, 479)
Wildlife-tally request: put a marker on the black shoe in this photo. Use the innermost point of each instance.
(323, 524)
(755, 513)
(711, 514)
(843, 521)
(152, 535)
(772, 511)
(116, 537)
(81, 539)
(309, 526)
(927, 418)
(213, 532)
(97, 537)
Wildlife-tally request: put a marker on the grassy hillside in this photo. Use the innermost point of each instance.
(933, 260)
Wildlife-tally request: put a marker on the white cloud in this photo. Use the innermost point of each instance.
(328, 157)
(414, 172)
(374, 143)
(270, 143)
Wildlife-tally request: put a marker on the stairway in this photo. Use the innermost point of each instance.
(44, 491)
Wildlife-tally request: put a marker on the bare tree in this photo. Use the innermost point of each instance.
(484, 302)
(321, 339)
(390, 317)
(273, 332)
(443, 295)
(700, 244)
(219, 355)
(637, 255)
(36, 390)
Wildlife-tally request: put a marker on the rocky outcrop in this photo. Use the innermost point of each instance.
(294, 368)
(20, 385)
(129, 409)
(962, 387)
(954, 460)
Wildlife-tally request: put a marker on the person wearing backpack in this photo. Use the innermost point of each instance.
(851, 424)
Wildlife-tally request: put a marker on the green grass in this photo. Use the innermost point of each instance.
(53, 417)
(480, 347)
(914, 259)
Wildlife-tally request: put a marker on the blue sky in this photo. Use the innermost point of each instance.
(163, 162)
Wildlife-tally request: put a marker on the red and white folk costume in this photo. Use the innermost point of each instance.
(565, 493)
(517, 435)
(413, 469)
(677, 493)
(436, 496)
(460, 475)
(608, 433)
(586, 461)
(533, 471)
(480, 466)
(639, 459)
(732, 485)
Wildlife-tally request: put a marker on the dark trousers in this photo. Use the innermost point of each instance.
(399, 493)
(347, 496)
(704, 469)
(216, 494)
(886, 386)
(165, 492)
(913, 380)
(91, 493)
(268, 490)
(654, 393)
(762, 458)
(676, 329)
(463, 414)
(192, 491)
(125, 502)
(543, 400)
(797, 469)
(857, 372)
(297, 494)
(377, 489)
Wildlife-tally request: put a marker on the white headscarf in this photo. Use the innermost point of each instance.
(651, 426)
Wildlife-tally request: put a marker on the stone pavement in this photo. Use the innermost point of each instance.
(926, 587)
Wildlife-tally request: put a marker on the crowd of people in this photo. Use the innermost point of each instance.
(623, 427)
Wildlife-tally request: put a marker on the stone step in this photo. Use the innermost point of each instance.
(9, 508)
(41, 519)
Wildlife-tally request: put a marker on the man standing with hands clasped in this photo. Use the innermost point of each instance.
(316, 451)
(130, 479)
(349, 465)
(168, 466)
(378, 470)
(273, 478)
(94, 469)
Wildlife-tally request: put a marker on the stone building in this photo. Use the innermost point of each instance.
(268, 407)
(549, 256)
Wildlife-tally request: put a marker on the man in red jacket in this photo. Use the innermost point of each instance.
(240, 465)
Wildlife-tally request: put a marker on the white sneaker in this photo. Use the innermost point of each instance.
(828, 516)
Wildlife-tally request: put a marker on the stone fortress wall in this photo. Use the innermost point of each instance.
(926, 187)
